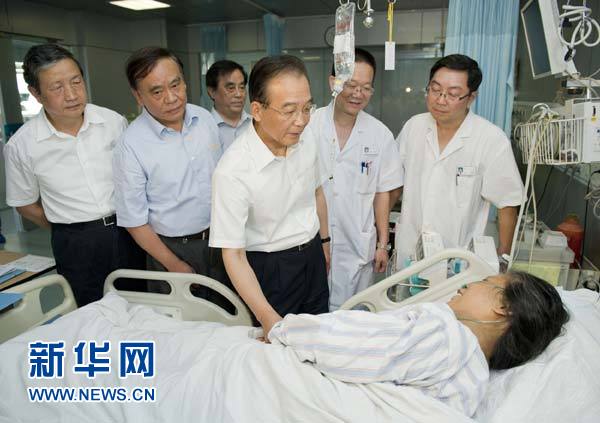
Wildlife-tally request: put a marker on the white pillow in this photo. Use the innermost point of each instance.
(560, 385)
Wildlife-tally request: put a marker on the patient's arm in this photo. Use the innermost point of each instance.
(246, 284)
(362, 347)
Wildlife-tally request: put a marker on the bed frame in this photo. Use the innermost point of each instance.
(29, 312)
(377, 298)
(181, 304)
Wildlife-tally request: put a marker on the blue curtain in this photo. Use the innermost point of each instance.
(214, 47)
(486, 30)
(274, 27)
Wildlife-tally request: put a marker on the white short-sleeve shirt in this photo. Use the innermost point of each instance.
(450, 192)
(261, 202)
(71, 174)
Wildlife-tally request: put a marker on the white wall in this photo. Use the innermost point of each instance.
(101, 43)
(410, 27)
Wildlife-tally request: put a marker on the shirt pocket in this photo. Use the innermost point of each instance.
(367, 165)
(468, 188)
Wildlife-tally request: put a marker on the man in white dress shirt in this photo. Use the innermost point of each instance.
(268, 210)
(226, 86)
(59, 173)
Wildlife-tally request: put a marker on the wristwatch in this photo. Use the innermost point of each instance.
(325, 240)
(382, 246)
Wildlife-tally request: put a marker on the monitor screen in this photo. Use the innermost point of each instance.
(536, 40)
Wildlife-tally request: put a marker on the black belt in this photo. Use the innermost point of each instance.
(200, 235)
(105, 221)
(299, 247)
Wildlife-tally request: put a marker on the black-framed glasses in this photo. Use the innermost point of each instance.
(437, 92)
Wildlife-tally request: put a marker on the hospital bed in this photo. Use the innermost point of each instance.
(559, 385)
(181, 304)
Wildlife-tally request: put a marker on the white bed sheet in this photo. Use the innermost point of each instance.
(563, 383)
(205, 372)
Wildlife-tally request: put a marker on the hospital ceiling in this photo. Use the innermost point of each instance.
(202, 11)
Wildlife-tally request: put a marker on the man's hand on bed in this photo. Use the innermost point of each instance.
(268, 322)
(181, 267)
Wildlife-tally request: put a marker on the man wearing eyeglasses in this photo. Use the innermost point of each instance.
(226, 86)
(358, 158)
(455, 165)
(268, 210)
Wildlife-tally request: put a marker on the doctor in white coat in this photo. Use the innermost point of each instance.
(455, 165)
(359, 164)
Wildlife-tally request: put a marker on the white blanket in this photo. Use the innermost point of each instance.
(205, 372)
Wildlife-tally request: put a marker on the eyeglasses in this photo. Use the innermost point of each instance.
(352, 87)
(436, 92)
(305, 111)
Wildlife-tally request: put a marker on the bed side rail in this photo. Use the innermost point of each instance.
(376, 298)
(180, 303)
(44, 300)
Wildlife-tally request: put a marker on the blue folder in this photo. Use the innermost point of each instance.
(8, 298)
(11, 274)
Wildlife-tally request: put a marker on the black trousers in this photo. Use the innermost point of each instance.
(204, 260)
(86, 253)
(293, 280)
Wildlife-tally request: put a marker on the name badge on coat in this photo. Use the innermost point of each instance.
(465, 171)
(369, 150)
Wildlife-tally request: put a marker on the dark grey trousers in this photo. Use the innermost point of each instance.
(204, 260)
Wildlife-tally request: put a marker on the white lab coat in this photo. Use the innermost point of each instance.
(350, 189)
(450, 192)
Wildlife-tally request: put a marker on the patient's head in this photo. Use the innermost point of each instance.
(514, 315)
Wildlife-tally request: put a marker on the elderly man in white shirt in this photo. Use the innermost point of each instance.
(455, 165)
(59, 173)
(268, 210)
(226, 86)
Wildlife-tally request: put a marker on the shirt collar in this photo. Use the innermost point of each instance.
(259, 152)
(464, 130)
(219, 119)
(45, 129)
(189, 117)
(456, 143)
(359, 126)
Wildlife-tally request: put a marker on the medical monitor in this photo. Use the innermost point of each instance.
(547, 55)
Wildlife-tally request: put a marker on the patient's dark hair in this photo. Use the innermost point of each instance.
(536, 316)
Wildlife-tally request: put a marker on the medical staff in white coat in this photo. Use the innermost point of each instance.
(455, 165)
(359, 164)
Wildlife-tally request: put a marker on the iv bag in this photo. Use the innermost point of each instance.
(343, 46)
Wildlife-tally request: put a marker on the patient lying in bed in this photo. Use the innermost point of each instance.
(422, 363)
(444, 350)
